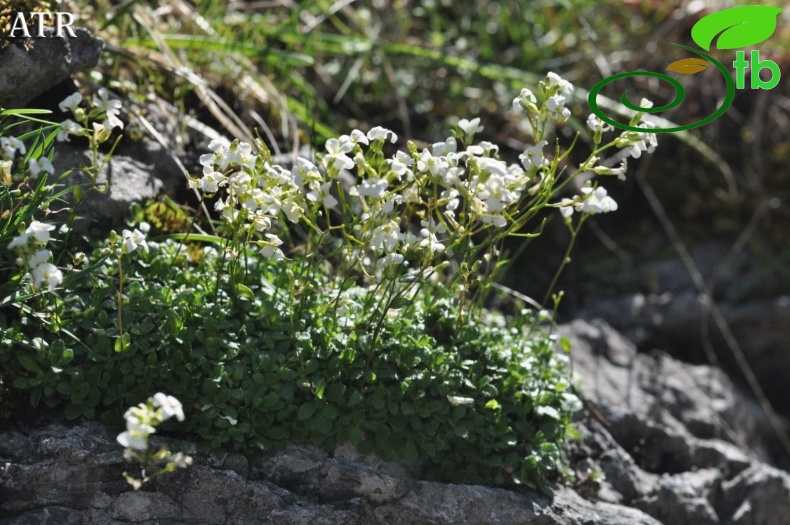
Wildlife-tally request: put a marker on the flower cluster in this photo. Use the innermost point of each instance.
(103, 107)
(592, 200)
(636, 142)
(555, 92)
(141, 422)
(595, 199)
(410, 207)
(9, 148)
(256, 191)
(31, 251)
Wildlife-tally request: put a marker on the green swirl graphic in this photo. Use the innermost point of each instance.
(679, 96)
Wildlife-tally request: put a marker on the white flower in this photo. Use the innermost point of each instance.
(260, 222)
(305, 172)
(594, 200)
(10, 145)
(103, 103)
(133, 239)
(243, 156)
(567, 207)
(373, 187)
(133, 440)
(337, 158)
(598, 201)
(637, 142)
(619, 171)
(555, 102)
(553, 79)
(293, 211)
(429, 231)
(382, 133)
(211, 180)
(71, 102)
(495, 167)
(533, 156)
(40, 164)
(19, 240)
(137, 432)
(111, 122)
(170, 406)
(68, 127)
(357, 137)
(449, 146)
(556, 106)
(399, 168)
(39, 258)
(181, 460)
(645, 103)
(239, 184)
(386, 237)
(269, 248)
(220, 156)
(320, 193)
(38, 230)
(390, 259)
(650, 139)
(49, 273)
(526, 101)
(470, 127)
(596, 124)
(437, 166)
(489, 148)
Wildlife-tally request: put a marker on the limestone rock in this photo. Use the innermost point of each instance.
(48, 61)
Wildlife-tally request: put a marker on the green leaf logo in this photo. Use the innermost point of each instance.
(739, 27)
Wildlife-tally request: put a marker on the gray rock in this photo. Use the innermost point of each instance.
(138, 171)
(676, 441)
(758, 495)
(46, 62)
(64, 474)
(657, 404)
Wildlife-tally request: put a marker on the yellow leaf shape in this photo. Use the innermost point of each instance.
(688, 66)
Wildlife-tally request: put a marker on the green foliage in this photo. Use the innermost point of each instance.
(470, 402)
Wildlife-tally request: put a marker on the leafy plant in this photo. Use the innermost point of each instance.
(365, 332)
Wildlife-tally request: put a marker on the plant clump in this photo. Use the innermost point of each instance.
(317, 311)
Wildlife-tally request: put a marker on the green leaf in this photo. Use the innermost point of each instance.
(142, 328)
(122, 343)
(738, 27)
(410, 452)
(306, 411)
(354, 399)
(322, 424)
(28, 363)
(319, 388)
(73, 411)
(244, 291)
(400, 302)
(493, 404)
